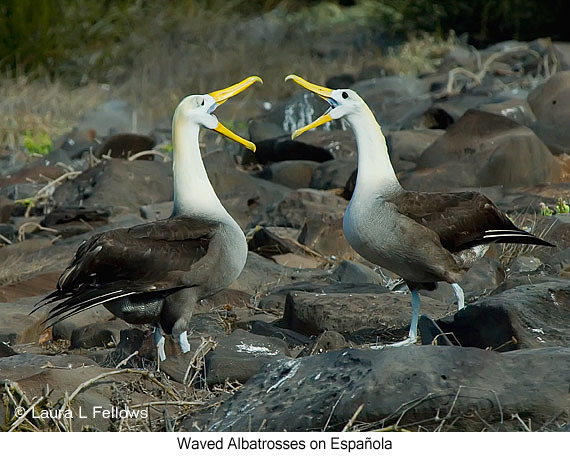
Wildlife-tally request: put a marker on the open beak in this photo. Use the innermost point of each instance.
(221, 96)
(323, 92)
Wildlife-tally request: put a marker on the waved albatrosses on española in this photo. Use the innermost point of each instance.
(423, 237)
(156, 272)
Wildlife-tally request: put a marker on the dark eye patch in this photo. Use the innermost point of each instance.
(344, 95)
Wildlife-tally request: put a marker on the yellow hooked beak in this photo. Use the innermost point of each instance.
(323, 92)
(221, 96)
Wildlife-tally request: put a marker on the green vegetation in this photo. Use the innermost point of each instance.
(60, 58)
(100, 40)
(486, 21)
(37, 143)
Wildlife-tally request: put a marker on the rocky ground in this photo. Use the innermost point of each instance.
(295, 343)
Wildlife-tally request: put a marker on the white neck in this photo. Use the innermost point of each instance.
(375, 172)
(193, 192)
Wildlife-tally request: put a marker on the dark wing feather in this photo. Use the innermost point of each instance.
(148, 258)
(462, 220)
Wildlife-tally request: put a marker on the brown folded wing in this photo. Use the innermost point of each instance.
(462, 220)
(145, 259)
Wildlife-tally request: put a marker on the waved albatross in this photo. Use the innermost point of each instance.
(156, 272)
(423, 237)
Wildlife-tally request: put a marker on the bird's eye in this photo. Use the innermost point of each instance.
(202, 104)
(344, 95)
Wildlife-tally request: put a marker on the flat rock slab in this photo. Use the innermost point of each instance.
(293, 260)
(358, 316)
(26, 365)
(241, 355)
(261, 274)
(349, 272)
(291, 338)
(276, 298)
(455, 388)
(527, 316)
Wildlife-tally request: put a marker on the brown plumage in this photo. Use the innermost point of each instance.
(139, 265)
(423, 237)
(156, 272)
(461, 220)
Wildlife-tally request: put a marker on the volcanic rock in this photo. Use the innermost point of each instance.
(293, 173)
(332, 174)
(360, 317)
(102, 334)
(124, 145)
(403, 386)
(527, 316)
(298, 206)
(483, 149)
(240, 355)
(103, 186)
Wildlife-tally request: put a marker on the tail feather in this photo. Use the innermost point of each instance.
(73, 302)
(515, 237)
(52, 297)
(508, 236)
(66, 312)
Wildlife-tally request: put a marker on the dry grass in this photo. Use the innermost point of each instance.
(18, 267)
(186, 49)
(469, 419)
(40, 105)
(528, 222)
(166, 402)
(421, 54)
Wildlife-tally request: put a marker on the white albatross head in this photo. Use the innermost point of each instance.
(343, 102)
(199, 109)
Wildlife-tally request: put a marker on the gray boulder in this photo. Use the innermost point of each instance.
(484, 149)
(105, 186)
(450, 388)
(240, 355)
(362, 317)
(526, 316)
(292, 173)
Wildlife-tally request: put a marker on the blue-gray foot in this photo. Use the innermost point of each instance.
(159, 342)
(183, 342)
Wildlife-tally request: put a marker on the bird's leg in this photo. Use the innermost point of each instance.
(459, 295)
(179, 309)
(159, 342)
(183, 342)
(413, 335)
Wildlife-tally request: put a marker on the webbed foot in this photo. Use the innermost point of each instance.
(159, 341)
(183, 342)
